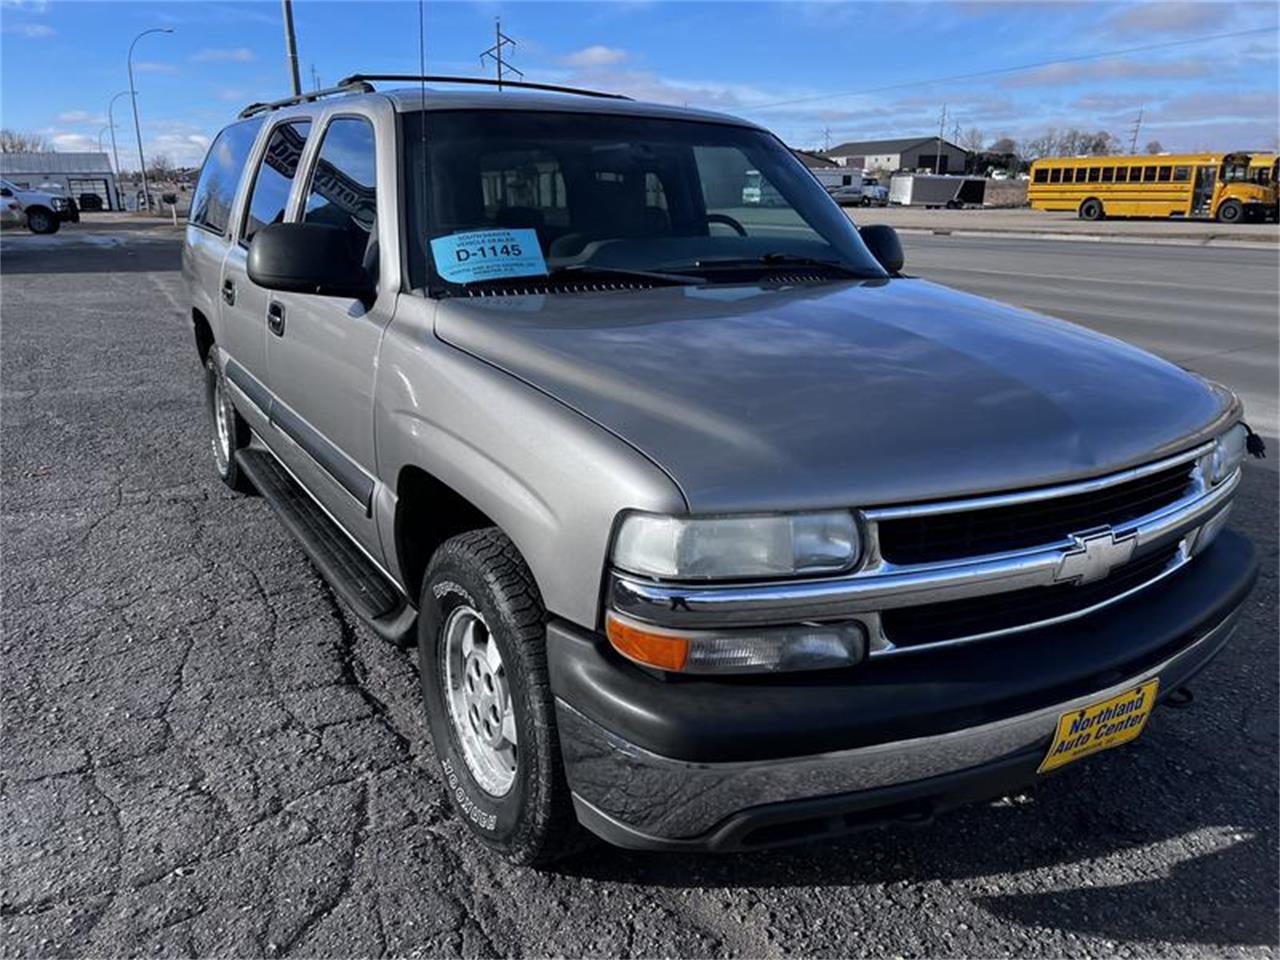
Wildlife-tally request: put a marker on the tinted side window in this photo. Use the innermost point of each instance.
(1165, 173)
(216, 189)
(343, 185)
(1055, 175)
(275, 176)
(1042, 175)
(1181, 173)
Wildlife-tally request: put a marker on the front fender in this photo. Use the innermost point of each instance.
(553, 480)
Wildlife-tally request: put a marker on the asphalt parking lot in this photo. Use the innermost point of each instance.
(204, 755)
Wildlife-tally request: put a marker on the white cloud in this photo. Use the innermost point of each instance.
(74, 143)
(81, 116)
(152, 66)
(32, 31)
(218, 54)
(1168, 16)
(1113, 68)
(596, 55)
(31, 6)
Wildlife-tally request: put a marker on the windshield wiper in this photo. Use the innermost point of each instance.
(773, 260)
(589, 271)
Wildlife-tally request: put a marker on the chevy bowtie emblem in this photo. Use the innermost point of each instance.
(1094, 556)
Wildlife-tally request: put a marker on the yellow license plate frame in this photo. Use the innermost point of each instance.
(1101, 725)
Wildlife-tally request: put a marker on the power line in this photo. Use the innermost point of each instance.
(494, 53)
(1003, 70)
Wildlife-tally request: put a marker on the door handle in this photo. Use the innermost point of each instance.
(275, 318)
(229, 291)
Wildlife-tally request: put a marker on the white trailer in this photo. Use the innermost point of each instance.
(936, 190)
(833, 178)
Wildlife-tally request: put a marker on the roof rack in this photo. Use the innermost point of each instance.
(350, 85)
(365, 78)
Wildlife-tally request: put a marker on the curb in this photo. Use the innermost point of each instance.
(1206, 241)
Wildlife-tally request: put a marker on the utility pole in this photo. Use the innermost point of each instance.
(1137, 125)
(942, 126)
(137, 127)
(494, 53)
(291, 46)
(826, 139)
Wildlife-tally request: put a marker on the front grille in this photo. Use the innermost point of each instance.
(971, 533)
(938, 622)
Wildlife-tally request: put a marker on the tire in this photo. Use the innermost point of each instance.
(227, 430)
(41, 220)
(1091, 209)
(511, 793)
(1231, 211)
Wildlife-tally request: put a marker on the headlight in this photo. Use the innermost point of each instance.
(1228, 453)
(58, 203)
(771, 545)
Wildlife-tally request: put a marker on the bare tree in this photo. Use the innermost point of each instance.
(1155, 146)
(973, 140)
(15, 141)
(160, 168)
(1004, 145)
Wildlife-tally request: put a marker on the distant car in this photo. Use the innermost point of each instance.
(999, 174)
(45, 212)
(850, 196)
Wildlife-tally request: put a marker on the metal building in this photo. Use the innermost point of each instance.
(78, 175)
(907, 153)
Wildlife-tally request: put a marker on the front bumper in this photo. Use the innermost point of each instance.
(663, 763)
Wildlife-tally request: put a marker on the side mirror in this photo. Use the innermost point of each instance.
(308, 258)
(884, 245)
(5, 192)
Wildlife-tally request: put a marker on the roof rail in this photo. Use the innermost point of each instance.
(350, 85)
(480, 81)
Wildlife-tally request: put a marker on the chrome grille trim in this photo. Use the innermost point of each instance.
(879, 585)
(966, 504)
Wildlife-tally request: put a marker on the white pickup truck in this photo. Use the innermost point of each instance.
(45, 212)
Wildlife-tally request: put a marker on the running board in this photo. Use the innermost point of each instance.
(352, 575)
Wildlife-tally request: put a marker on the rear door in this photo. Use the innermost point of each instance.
(322, 351)
(208, 235)
(245, 305)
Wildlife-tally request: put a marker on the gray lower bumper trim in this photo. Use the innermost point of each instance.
(666, 799)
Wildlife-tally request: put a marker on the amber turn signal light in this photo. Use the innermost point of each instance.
(647, 645)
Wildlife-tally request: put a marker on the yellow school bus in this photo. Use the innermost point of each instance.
(1264, 170)
(1201, 185)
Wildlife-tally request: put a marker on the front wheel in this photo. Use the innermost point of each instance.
(1091, 210)
(482, 660)
(1232, 211)
(40, 220)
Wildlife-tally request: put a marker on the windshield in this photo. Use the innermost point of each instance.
(505, 194)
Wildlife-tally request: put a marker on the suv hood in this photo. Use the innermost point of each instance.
(854, 393)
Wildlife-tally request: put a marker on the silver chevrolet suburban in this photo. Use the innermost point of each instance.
(713, 529)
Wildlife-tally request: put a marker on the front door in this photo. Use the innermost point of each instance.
(321, 351)
(1202, 201)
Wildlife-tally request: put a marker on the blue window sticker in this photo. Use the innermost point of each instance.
(488, 254)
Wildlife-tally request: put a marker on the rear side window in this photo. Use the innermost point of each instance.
(342, 190)
(275, 176)
(1055, 175)
(220, 176)
(1042, 175)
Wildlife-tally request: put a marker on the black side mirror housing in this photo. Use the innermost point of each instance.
(308, 258)
(5, 192)
(884, 245)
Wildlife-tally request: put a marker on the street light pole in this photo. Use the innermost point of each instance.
(137, 128)
(115, 154)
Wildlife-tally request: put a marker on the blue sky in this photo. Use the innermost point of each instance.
(829, 62)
